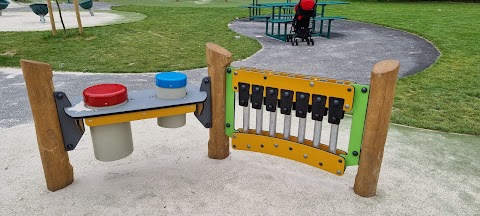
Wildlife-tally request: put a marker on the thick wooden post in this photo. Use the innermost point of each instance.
(52, 20)
(79, 20)
(382, 91)
(218, 59)
(56, 165)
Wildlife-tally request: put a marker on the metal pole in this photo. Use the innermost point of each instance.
(302, 124)
(259, 121)
(286, 127)
(332, 147)
(317, 134)
(246, 118)
(273, 124)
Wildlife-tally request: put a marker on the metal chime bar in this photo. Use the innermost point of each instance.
(271, 106)
(257, 102)
(244, 95)
(335, 113)
(318, 111)
(301, 110)
(286, 109)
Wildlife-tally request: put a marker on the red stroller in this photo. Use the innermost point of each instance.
(304, 10)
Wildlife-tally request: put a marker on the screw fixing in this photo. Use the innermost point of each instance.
(319, 99)
(276, 145)
(287, 94)
(349, 89)
(248, 146)
(229, 70)
(235, 73)
(302, 97)
(339, 172)
(206, 81)
(347, 106)
(60, 96)
(312, 84)
(336, 102)
(355, 153)
(364, 90)
(305, 156)
(228, 125)
(271, 91)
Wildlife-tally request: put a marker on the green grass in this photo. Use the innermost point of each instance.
(188, 3)
(444, 97)
(161, 42)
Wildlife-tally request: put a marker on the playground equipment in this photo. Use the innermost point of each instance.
(87, 5)
(213, 104)
(3, 5)
(52, 19)
(40, 10)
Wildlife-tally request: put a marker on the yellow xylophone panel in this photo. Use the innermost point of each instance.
(289, 149)
(146, 114)
(296, 82)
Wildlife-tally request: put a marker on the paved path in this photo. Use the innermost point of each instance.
(350, 54)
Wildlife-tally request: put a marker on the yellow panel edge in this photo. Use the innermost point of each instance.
(291, 150)
(139, 115)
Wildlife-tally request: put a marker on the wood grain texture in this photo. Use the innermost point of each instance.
(56, 165)
(218, 59)
(79, 20)
(52, 20)
(382, 91)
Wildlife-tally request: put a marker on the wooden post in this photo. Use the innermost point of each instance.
(52, 20)
(218, 59)
(79, 20)
(56, 165)
(382, 91)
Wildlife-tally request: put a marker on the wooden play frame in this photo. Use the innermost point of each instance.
(59, 172)
(52, 19)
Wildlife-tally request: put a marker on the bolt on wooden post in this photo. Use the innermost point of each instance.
(218, 59)
(382, 91)
(56, 165)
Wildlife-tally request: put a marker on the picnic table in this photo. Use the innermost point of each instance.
(285, 19)
(254, 10)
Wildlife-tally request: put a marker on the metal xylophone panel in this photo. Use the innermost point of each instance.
(302, 94)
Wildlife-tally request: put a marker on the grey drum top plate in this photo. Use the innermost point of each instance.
(137, 101)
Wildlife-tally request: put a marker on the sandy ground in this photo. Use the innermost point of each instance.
(424, 172)
(169, 173)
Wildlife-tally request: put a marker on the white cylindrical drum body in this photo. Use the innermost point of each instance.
(171, 85)
(114, 141)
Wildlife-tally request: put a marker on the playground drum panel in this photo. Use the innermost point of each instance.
(171, 85)
(114, 141)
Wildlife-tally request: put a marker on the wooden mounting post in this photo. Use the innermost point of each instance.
(52, 20)
(382, 91)
(79, 20)
(56, 165)
(218, 59)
